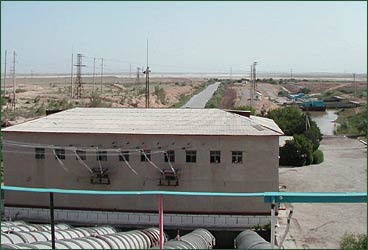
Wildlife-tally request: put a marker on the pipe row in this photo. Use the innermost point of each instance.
(136, 239)
(198, 239)
(249, 239)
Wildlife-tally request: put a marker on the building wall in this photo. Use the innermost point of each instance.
(257, 173)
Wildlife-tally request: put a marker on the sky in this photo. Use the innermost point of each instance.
(186, 36)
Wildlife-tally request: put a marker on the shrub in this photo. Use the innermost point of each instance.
(318, 157)
(314, 135)
(297, 152)
(352, 241)
(290, 155)
(161, 94)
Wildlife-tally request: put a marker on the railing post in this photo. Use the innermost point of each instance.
(52, 222)
(273, 205)
(161, 220)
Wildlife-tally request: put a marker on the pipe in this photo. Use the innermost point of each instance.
(249, 239)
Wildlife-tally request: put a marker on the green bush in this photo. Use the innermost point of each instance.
(291, 120)
(290, 155)
(297, 152)
(161, 94)
(318, 157)
(314, 135)
(352, 241)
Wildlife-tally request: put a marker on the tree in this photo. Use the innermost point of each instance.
(352, 241)
(313, 133)
(291, 120)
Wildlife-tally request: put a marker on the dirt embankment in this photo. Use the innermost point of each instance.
(34, 95)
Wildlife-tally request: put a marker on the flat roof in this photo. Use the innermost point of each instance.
(149, 121)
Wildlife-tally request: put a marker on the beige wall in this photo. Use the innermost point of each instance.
(258, 173)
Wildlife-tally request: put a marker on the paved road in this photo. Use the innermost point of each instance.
(199, 100)
(344, 170)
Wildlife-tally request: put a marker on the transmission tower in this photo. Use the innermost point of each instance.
(78, 79)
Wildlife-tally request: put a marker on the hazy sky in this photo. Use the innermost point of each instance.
(187, 36)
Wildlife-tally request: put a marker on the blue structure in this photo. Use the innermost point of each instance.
(314, 105)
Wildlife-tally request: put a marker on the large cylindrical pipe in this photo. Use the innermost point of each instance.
(249, 239)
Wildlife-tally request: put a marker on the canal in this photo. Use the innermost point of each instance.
(325, 121)
(199, 100)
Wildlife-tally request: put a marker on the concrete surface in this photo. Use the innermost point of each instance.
(323, 225)
(199, 100)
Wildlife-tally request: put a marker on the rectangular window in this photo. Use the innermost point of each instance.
(148, 154)
(170, 155)
(81, 154)
(124, 155)
(102, 156)
(237, 157)
(215, 156)
(191, 156)
(39, 153)
(60, 153)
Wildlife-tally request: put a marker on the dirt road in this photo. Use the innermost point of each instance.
(344, 170)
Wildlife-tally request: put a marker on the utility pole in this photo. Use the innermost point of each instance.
(14, 81)
(138, 74)
(94, 71)
(251, 85)
(291, 74)
(78, 80)
(71, 79)
(147, 72)
(6, 54)
(255, 77)
(355, 86)
(231, 73)
(102, 65)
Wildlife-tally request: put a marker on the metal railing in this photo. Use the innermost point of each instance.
(269, 197)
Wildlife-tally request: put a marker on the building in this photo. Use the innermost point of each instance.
(144, 149)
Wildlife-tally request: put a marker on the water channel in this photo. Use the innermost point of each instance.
(199, 100)
(325, 121)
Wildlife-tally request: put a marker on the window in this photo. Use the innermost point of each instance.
(102, 156)
(148, 154)
(170, 156)
(60, 154)
(215, 156)
(191, 156)
(39, 153)
(124, 155)
(237, 157)
(81, 154)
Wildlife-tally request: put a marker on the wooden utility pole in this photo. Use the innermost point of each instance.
(355, 86)
(71, 79)
(101, 73)
(6, 55)
(147, 72)
(94, 71)
(14, 81)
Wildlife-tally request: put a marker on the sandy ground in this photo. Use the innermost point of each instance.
(269, 99)
(116, 91)
(323, 225)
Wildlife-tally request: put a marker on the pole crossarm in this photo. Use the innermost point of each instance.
(269, 197)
